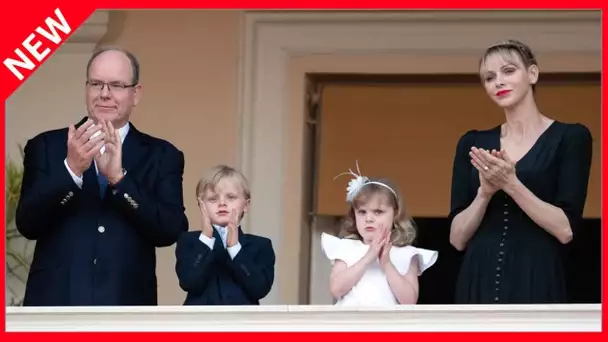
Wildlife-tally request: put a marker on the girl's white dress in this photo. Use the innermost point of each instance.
(373, 288)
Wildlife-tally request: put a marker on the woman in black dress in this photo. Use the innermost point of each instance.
(518, 190)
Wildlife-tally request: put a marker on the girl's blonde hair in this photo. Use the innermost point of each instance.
(403, 231)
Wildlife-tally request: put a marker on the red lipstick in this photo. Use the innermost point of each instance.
(503, 92)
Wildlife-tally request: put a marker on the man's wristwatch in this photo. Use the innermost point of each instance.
(124, 173)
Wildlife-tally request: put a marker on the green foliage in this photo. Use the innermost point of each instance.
(14, 175)
(18, 259)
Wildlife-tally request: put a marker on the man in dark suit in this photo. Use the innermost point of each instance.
(99, 197)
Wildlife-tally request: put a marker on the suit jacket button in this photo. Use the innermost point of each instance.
(126, 195)
(101, 229)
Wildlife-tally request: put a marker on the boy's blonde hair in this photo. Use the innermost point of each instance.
(210, 180)
(403, 231)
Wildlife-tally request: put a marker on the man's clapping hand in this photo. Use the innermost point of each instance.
(110, 162)
(83, 147)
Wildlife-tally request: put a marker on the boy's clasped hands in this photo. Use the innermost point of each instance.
(232, 238)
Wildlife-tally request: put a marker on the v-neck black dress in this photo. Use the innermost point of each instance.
(510, 259)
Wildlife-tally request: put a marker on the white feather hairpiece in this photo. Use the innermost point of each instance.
(355, 184)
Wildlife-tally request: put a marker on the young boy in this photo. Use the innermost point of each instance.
(219, 264)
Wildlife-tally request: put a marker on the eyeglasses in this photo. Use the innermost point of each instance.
(114, 87)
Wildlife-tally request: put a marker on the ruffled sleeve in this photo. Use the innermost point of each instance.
(347, 250)
(402, 257)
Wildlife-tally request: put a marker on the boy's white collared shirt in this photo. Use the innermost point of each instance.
(223, 231)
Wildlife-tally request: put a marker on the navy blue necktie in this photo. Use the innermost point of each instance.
(103, 184)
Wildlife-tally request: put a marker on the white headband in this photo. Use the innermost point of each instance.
(355, 185)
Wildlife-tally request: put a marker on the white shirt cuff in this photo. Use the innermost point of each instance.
(77, 180)
(234, 250)
(207, 240)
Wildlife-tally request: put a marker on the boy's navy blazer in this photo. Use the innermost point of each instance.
(92, 250)
(211, 277)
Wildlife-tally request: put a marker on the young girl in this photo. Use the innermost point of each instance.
(373, 260)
